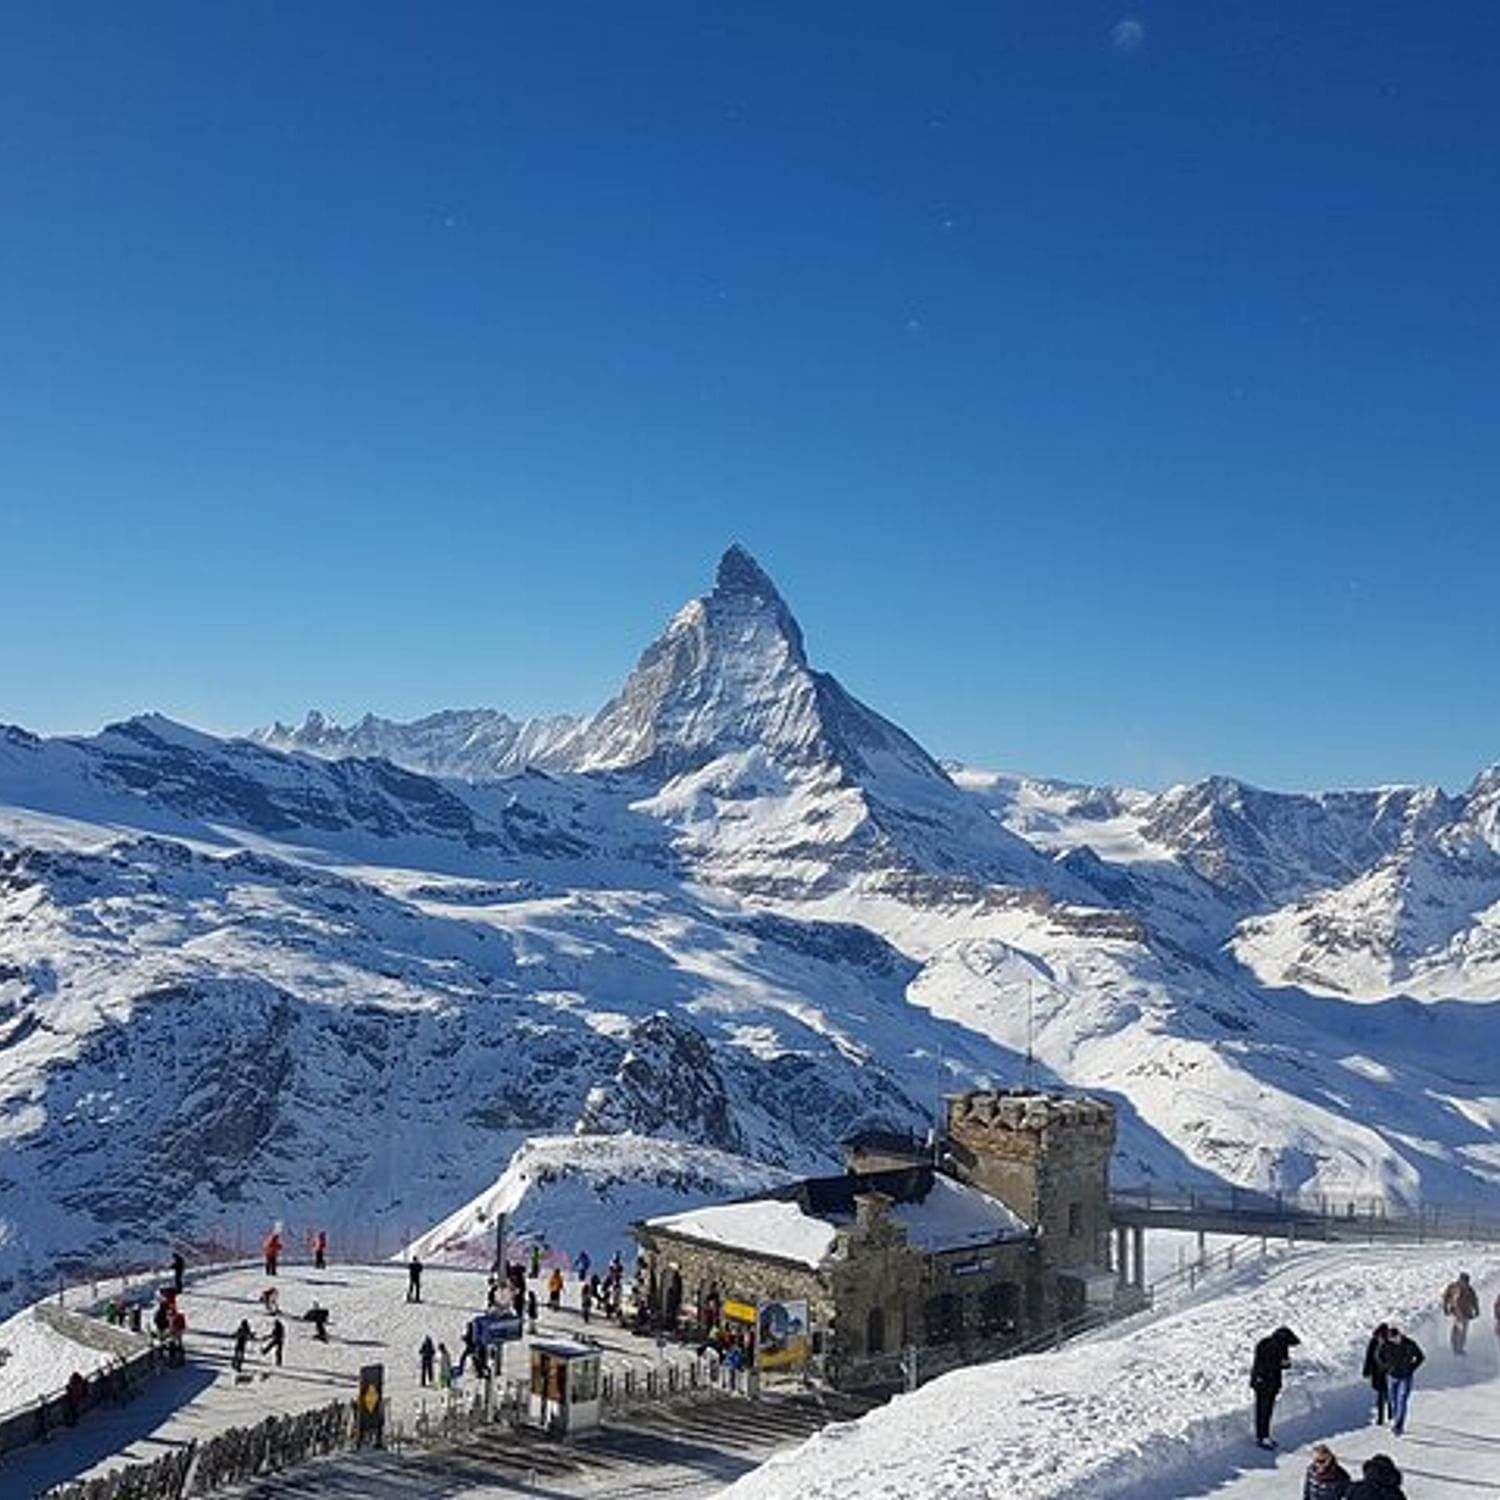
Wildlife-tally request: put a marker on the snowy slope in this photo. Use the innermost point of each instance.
(738, 909)
(564, 1194)
(1145, 1407)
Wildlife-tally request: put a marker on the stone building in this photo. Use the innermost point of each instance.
(957, 1250)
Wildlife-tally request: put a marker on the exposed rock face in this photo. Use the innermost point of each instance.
(667, 1083)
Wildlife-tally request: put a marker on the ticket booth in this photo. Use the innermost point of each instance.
(564, 1386)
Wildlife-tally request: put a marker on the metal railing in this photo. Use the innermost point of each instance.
(1310, 1215)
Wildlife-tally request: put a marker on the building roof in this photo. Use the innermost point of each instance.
(800, 1222)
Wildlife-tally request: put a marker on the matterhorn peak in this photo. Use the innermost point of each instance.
(739, 573)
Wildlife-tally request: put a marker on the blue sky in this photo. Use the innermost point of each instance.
(1111, 390)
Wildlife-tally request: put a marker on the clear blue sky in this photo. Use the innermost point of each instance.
(1114, 391)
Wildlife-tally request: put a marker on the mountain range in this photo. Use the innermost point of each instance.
(343, 973)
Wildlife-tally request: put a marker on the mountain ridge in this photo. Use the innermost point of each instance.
(735, 907)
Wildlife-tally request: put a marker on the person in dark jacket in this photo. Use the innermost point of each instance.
(242, 1337)
(427, 1353)
(1272, 1356)
(276, 1342)
(179, 1270)
(414, 1280)
(1326, 1478)
(1376, 1376)
(1381, 1481)
(1400, 1358)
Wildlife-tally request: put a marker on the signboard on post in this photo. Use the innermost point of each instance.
(370, 1407)
(782, 1341)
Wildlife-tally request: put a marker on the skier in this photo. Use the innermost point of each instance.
(414, 1280)
(1272, 1356)
(320, 1251)
(1375, 1375)
(1461, 1303)
(276, 1342)
(242, 1337)
(555, 1289)
(1381, 1481)
(179, 1270)
(272, 1248)
(1400, 1358)
(426, 1352)
(1326, 1477)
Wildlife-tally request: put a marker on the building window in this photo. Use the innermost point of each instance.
(875, 1331)
(999, 1308)
(944, 1318)
(1075, 1220)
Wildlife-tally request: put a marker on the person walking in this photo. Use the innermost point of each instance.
(414, 1280)
(1272, 1356)
(1326, 1477)
(1380, 1480)
(317, 1315)
(242, 1337)
(1400, 1357)
(1461, 1303)
(276, 1342)
(179, 1270)
(1376, 1376)
(427, 1353)
(320, 1251)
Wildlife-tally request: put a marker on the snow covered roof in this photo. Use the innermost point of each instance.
(801, 1221)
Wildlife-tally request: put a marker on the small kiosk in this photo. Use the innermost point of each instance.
(564, 1386)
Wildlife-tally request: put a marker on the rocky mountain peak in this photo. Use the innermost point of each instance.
(729, 672)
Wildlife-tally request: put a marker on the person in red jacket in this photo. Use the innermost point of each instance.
(320, 1251)
(272, 1247)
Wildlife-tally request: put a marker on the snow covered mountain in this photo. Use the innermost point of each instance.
(350, 971)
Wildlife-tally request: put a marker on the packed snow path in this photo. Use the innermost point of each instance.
(1159, 1408)
(1155, 1409)
(370, 1322)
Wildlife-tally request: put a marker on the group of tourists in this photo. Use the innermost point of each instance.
(1392, 1359)
(515, 1286)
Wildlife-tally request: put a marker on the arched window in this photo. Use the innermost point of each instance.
(875, 1331)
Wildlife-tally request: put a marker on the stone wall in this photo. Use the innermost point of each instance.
(875, 1289)
(1046, 1157)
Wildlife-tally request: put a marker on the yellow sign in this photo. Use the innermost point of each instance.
(740, 1312)
(369, 1398)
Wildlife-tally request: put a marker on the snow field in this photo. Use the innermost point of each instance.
(1141, 1409)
